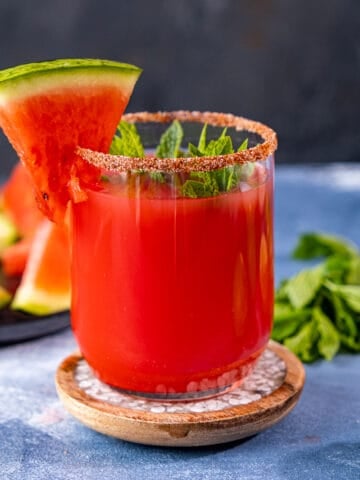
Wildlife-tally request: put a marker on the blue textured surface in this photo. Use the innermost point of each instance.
(319, 439)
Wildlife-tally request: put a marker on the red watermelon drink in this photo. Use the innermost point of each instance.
(173, 284)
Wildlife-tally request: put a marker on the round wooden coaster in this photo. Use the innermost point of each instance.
(264, 398)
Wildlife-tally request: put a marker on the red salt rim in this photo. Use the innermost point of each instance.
(120, 163)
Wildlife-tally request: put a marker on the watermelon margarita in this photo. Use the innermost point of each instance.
(173, 296)
(172, 258)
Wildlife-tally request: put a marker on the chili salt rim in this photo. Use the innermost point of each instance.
(120, 163)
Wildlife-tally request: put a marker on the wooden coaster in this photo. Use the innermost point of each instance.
(264, 398)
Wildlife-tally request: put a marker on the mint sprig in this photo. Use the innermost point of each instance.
(317, 311)
(216, 181)
(312, 245)
(220, 146)
(127, 141)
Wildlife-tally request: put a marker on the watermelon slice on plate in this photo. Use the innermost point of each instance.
(14, 258)
(45, 285)
(47, 109)
(19, 205)
(42, 294)
(19, 202)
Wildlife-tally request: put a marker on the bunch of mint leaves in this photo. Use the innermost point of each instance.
(127, 141)
(317, 311)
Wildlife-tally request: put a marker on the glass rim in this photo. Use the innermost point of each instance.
(151, 163)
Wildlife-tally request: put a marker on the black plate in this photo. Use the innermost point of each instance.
(18, 326)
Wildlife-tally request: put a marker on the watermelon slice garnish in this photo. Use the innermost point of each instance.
(47, 109)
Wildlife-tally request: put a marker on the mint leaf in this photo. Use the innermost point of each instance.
(227, 178)
(343, 320)
(349, 293)
(350, 343)
(208, 179)
(223, 133)
(284, 312)
(222, 146)
(329, 341)
(170, 141)
(313, 245)
(232, 179)
(201, 184)
(244, 145)
(337, 268)
(287, 321)
(202, 139)
(221, 176)
(195, 189)
(302, 288)
(347, 325)
(281, 292)
(128, 143)
(353, 271)
(158, 177)
(304, 342)
(194, 151)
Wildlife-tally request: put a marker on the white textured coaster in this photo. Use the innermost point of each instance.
(265, 397)
(267, 376)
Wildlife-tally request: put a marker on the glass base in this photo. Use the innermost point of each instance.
(200, 388)
(182, 396)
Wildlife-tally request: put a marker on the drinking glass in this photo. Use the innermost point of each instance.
(172, 267)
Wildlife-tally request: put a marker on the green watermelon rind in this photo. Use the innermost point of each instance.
(52, 71)
(36, 302)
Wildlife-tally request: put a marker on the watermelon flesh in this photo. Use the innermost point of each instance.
(36, 267)
(19, 202)
(20, 206)
(15, 257)
(46, 112)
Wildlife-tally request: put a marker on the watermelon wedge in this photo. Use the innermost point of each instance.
(15, 256)
(47, 109)
(20, 207)
(19, 202)
(45, 285)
